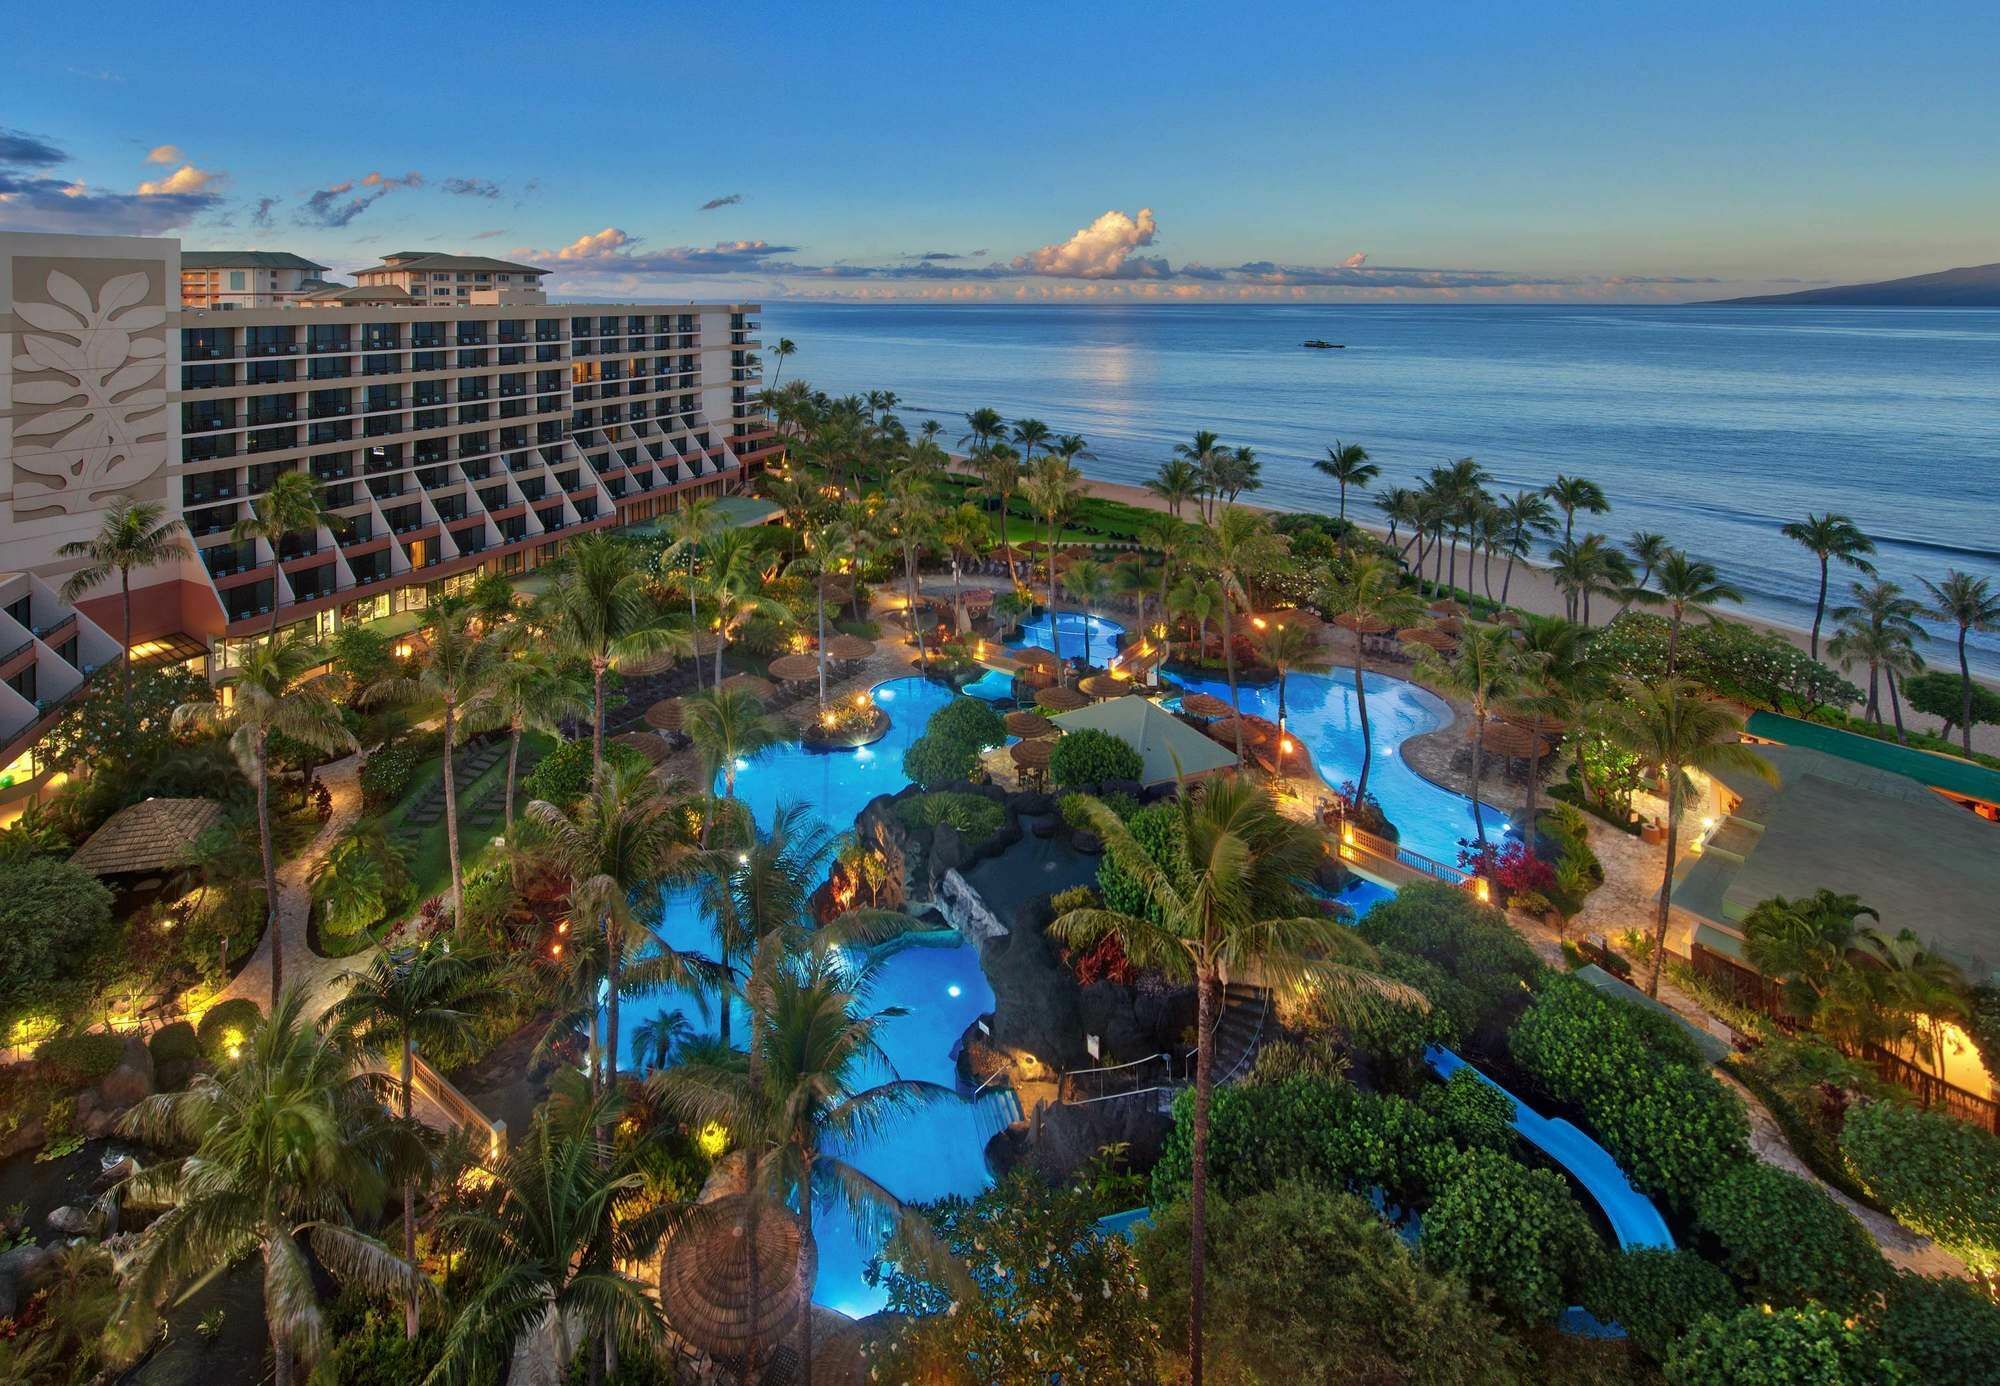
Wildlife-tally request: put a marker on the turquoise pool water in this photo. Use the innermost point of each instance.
(1072, 627)
(1320, 712)
(941, 1149)
(993, 686)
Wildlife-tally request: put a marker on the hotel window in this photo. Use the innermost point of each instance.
(236, 281)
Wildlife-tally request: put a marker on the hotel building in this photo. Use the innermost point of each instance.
(456, 420)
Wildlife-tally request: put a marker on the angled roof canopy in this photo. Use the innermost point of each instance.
(1167, 746)
(247, 259)
(152, 835)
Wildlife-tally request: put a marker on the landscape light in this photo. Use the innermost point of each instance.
(953, 991)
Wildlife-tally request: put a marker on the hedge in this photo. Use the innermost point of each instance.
(1514, 1232)
(239, 1016)
(1158, 829)
(976, 817)
(175, 1043)
(53, 916)
(1940, 1176)
(953, 740)
(1782, 1347)
(1787, 1242)
(564, 774)
(388, 772)
(1471, 943)
(1657, 1295)
(1942, 1327)
(80, 1059)
(1090, 757)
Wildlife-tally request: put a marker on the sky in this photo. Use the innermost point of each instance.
(1442, 152)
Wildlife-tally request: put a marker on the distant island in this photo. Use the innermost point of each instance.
(1974, 286)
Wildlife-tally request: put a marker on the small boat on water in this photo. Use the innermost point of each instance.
(1317, 345)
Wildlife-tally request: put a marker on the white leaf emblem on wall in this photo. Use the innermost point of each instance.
(96, 371)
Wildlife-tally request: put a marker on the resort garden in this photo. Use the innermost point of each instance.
(973, 930)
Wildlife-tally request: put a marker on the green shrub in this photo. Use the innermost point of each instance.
(1089, 757)
(1472, 943)
(174, 1044)
(1390, 1035)
(389, 771)
(978, 818)
(1938, 1175)
(53, 917)
(1075, 898)
(1472, 1111)
(1070, 806)
(968, 719)
(1657, 1295)
(1787, 1242)
(953, 740)
(1158, 829)
(1784, 1347)
(1670, 1125)
(1942, 1327)
(79, 1059)
(1514, 1232)
(237, 1017)
(563, 777)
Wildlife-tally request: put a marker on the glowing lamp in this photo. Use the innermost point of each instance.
(1482, 890)
(1347, 834)
(1258, 621)
(861, 700)
(555, 950)
(1285, 746)
(713, 1139)
(953, 991)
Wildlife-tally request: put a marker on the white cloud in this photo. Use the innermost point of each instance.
(165, 154)
(1101, 250)
(595, 246)
(1355, 261)
(185, 179)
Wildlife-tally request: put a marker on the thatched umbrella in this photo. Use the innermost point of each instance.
(665, 715)
(1104, 686)
(1546, 727)
(705, 1278)
(849, 647)
(1035, 657)
(1366, 625)
(757, 688)
(1205, 705)
(1450, 625)
(1514, 742)
(1028, 725)
(1035, 678)
(1508, 618)
(1061, 699)
(1430, 640)
(1032, 755)
(795, 668)
(979, 599)
(648, 666)
(1225, 731)
(1447, 607)
(706, 642)
(645, 743)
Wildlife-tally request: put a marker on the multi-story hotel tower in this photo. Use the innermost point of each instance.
(456, 420)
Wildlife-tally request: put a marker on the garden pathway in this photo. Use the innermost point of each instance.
(317, 975)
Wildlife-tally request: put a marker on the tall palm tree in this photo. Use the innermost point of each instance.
(999, 468)
(1198, 600)
(1054, 487)
(1673, 725)
(1574, 493)
(1802, 943)
(1924, 992)
(1688, 587)
(1347, 465)
(913, 515)
(1829, 538)
(293, 505)
(727, 726)
(1133, 582)
(1237, 470)
(781, 351)
(1029, 434)
(457, 668)
(689, 528)
(1235, 909)
(545, 1242)
(1485, 671)
(134, 534)
(1879, 629)
(1239, 542)
(655, 1039)
(1071, 447)
(1970, 603)
(1368, 592)
(598, 609)
(1177, 482)
(1649, 550)
(271, 695)
(1589, 567)
(1285, 646)
(1461, 493)
(530, 690)
(618, 848)
(734, 580)
(1200, 453)
(759, 885)
(287, 1147)
(1089, 582)
(1557, 673)
(409, 997)
(960, 530)
(1398, 505)
(983, 428)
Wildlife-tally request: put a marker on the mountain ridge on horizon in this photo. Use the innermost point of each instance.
(1968, 286)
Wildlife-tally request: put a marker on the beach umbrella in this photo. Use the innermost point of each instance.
(1548, 727)
(1366, 625)
(1035, 657)
(1028, 725)
(1206, 705)
(1032, 755)
(648, 666)
(1508, 618)
(794, 668)
(1506, 739)
(1447, 607)
(1225, 731)
(1450, 625)
(1429, 639)
(849, 647)
(665, 715)
(1104, 686)
(645, 743)
(705, 1275)
(751, 684)
(1061, 699)
(706, 642)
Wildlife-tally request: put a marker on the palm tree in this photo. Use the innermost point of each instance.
(781, 351)
(1133, 582)
(1234, 908)
(1370, 591)
(1828, 538)
(1574, 493)
(761, 887)
(270, 695)
(1673, 725)
(294, 504)
(1054, 487)
(1398, 505)
(1089, 583)
(1925, 992)
(287, 1147)
(983, 428)
(598, 609)
(1485, 670)
(1879, 629)
(1971, 604)
(728, 728)
(1557, 672)
(1201, 454)
(734, 580)
(654, 1040)
(1285, 646)
(619, 847)
(1802, 943)
(960, 529)
(1198, 600)
(1348, 465)
(1460, 489)
(1072, 448)
(1239, 542)
(999, 468)
(530, 690)
(545, 1243)
(1028, 435)
(913, 515)
(1236, 471)
(134, 534)
(1177, 482)
(1688, 587)
(1649, 550)
(1587, 568)
(458, 669)
(690, 527)
(409, 997)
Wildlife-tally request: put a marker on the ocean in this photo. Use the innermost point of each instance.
(1713, 426)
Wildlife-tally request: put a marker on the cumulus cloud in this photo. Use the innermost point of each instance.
(471, 187)
(729, 201)
(32, 198)
(1101, 250)
(1355, 261)
(165, 154)
(185, 179)
(615, 251)
(339, 205)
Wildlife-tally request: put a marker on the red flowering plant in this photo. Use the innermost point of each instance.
(1516, 873)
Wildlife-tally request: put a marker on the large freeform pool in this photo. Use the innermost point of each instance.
(1072, 627)
(937, 977)
(1320, 712)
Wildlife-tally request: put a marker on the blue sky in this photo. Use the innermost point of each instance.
(1464, 152)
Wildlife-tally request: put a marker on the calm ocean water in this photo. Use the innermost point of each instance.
(1711, 425)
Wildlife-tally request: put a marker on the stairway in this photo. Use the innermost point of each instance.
(1240, 1030)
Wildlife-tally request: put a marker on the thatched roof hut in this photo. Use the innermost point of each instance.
(152, 835)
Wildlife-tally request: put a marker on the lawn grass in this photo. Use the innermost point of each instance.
(430, 855)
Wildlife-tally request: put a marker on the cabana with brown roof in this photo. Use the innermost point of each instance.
(666, 715)
(1028, 725)
(1061, 699)
(849, 647)
(705, 1277)
(795, 668)
(757, 688)
(1430, 640)
(1104, 686)
(1205, 705)
(151, 836)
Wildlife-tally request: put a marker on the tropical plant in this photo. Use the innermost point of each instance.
(690, 527)
(1574, 493)
(1879, 629)
(133, 534)
(1364, 594)
(999, 468)
(734, 580)
(1289, 645)
(598, 609)
(1088, 757)
(1485, 670)
(1656, 1295)
(1760, 1346)
(1970, 604)
(1687, 587)
(1939, 1175)
(1516, 1233)
(729, 729)
(294, 504)
(363, 876)
(1788, 1242)
(1346, 464)
(530, 690)
(960, 530)
(1089, 582)
(1588, 567)
(1238, 542)
(1649, 550)
(1177, 482)
(1557, 671)
(1054, 487)
(781, 351)
(271, 695)
(912, 513)
(1524, 517)
(1829, 538)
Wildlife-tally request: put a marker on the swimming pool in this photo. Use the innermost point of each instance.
(1320, 712)
(1072, 626)
(993, 686)
(940, 1149)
